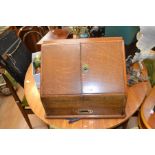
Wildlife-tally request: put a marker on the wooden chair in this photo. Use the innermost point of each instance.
(22, 104)
(30, 35)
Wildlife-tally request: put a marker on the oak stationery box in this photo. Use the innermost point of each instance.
(84, 78)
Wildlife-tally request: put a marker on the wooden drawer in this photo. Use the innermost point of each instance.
(102, 105)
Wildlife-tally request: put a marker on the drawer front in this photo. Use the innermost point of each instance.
(85, 106)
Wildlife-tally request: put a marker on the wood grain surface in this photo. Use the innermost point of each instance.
(147, 113)
(106, 72)
(60, 71)
(93, 69)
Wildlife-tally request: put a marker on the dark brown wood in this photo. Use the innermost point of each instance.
(30, 35)
(84, 78)
(28, 110)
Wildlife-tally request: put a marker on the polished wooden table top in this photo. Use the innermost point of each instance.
(147, 113)
(136, 95)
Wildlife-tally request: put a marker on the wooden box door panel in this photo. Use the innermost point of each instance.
(61, 69)
(103, 69)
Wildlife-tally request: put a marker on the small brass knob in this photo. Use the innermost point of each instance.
(85, 67)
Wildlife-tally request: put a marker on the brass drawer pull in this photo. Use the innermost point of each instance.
(85, 111)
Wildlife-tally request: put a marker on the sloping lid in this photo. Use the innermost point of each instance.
(63, 62)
